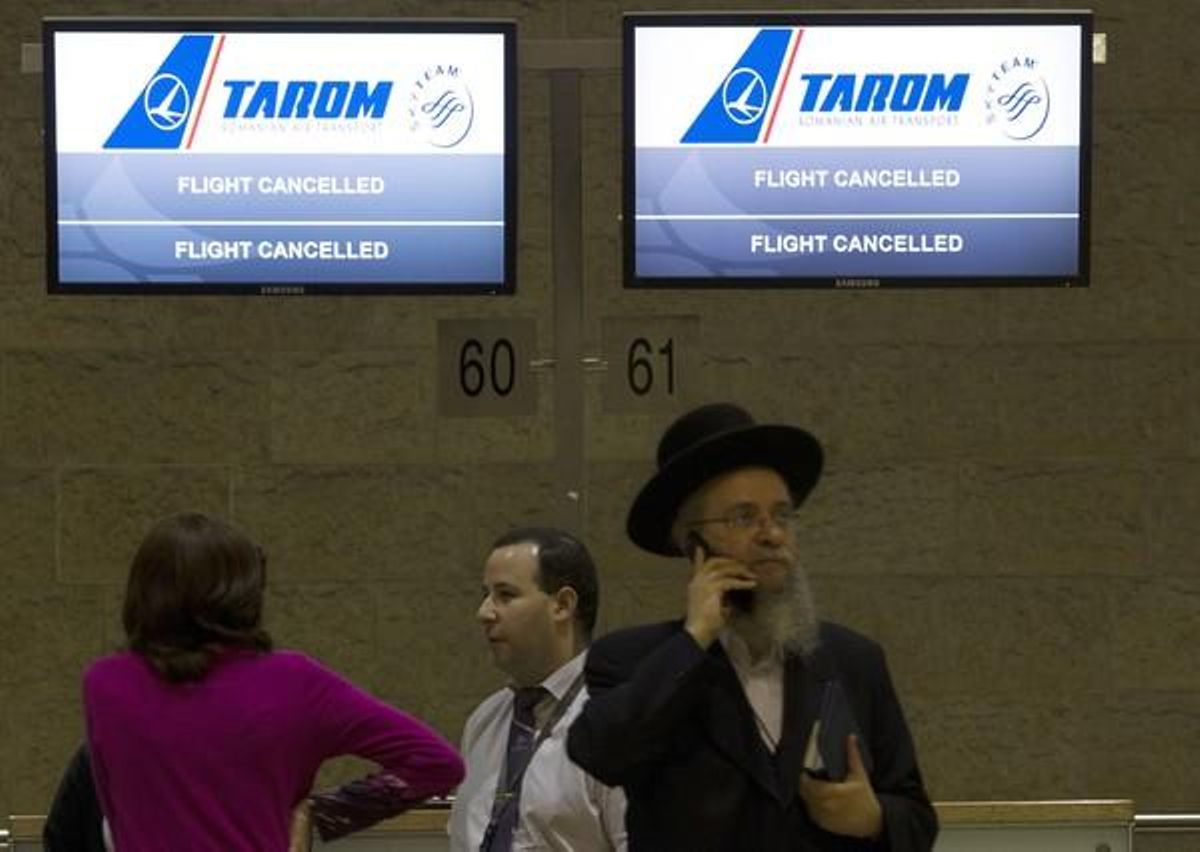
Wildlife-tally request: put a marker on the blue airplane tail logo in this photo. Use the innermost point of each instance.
(737, 110)
(159, 114)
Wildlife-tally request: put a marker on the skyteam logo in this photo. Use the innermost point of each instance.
(1018, 99)
(737, 110)
(159, 115)
(441, 107)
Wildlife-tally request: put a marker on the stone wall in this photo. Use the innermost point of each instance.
(1013, 475)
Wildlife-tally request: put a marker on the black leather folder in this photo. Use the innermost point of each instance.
(826, 758)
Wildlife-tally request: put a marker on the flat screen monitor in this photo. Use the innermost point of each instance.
(279, 156)
(856, 150)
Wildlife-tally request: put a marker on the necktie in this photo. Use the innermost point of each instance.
(521, 734)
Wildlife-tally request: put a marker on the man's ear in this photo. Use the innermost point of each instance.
(566, 602)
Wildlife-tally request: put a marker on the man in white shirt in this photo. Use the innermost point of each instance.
(538, 612)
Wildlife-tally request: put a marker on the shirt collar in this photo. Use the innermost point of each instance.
(561, 679)
(739, 654)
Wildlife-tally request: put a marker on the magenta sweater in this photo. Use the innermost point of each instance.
(221, 763)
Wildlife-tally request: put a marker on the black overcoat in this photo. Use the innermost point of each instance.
(669, 721)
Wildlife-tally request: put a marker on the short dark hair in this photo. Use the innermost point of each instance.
(563, 560)
(195, 587)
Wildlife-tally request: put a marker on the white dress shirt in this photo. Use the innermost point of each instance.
(562, 808)
(762, 681)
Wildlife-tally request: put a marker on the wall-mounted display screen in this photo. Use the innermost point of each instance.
(280, 156)
(857, 149)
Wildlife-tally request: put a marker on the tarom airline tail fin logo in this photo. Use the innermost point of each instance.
(158, 117)
(737, 110)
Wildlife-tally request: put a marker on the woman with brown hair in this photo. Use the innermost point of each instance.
(202, 737)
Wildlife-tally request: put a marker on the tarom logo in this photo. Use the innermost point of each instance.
(737, 110)
(159, 115)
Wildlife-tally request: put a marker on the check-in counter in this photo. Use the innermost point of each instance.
(419, 830)
(1090, 825)
(1053, 826)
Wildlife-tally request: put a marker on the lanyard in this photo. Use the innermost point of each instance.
(507, 797)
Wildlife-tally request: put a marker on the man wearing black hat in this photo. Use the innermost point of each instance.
(749, 725)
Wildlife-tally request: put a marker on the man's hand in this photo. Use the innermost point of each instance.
(847, 807)
(707, 609)
(300, 838)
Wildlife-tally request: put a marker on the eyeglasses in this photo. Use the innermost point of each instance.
(747, 518)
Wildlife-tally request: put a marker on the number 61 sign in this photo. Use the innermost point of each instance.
(647, 359)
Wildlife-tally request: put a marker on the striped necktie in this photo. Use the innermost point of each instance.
(521, 734)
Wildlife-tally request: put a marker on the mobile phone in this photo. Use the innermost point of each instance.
(740, 599)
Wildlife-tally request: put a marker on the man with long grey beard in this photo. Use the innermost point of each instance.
(749, 725)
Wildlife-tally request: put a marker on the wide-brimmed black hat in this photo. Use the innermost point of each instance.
(708, 441)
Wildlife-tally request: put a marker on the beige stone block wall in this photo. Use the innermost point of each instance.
(1013, 475)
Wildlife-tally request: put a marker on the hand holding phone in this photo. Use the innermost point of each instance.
(739, 599)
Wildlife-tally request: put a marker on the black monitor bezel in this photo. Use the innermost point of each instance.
(505, 28)
(634, 20)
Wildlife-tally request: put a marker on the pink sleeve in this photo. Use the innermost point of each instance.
(416, 762)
